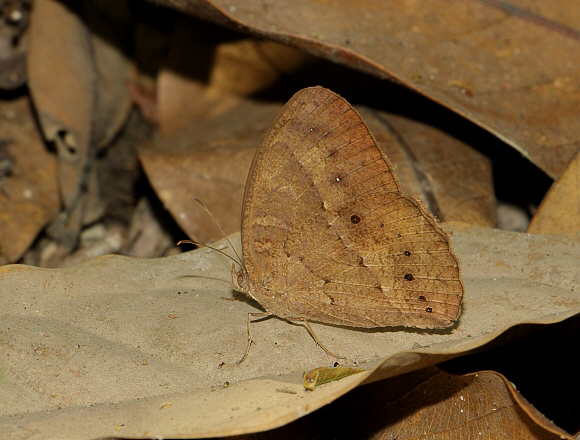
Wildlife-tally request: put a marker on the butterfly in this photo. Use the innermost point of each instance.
(327, 234)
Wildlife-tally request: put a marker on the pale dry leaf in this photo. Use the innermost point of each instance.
(109, 318)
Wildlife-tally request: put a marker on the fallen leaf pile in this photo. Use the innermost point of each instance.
(115, 115)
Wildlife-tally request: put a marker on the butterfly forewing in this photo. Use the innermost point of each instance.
(327, 234)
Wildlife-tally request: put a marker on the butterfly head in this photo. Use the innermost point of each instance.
(241, 280)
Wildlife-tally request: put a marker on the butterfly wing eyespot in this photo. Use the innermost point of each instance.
(355, 219)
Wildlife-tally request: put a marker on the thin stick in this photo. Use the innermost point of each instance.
(250, 340)
(306, 324)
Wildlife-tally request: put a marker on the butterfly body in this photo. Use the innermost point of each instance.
(328, 236)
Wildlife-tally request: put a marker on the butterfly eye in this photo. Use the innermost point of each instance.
(355, 219)
(242, 279)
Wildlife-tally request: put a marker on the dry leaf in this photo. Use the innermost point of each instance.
(559, 212)
(102, 319)
(428, 404)
(207, 71)
(209, 161)
(499, 65)
(14, 17)
(452, 179)
(77, 81)
(28, 191)
(479, 405)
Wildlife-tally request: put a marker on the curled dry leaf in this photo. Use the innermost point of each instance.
(433, 404)
(452, 179)
(499, 65)
(14, 16)
(28, 190)
(108, 315)
(559, 212)
(77, 81)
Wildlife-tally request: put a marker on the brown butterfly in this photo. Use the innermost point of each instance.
(328, 236)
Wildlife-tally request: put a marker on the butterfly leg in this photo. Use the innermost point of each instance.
(250, 316)
(307, 325)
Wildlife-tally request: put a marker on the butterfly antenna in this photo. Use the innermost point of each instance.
(222, 231)
(197, 243)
